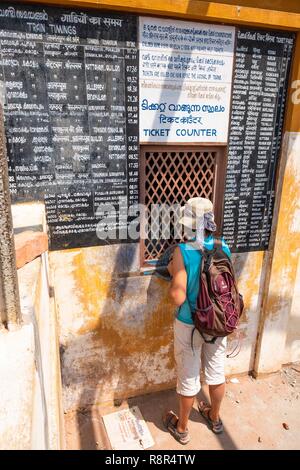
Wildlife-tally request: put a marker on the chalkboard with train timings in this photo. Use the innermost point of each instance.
(262, 63)
(70, 80)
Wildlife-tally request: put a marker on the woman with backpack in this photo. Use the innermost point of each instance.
(185, 268)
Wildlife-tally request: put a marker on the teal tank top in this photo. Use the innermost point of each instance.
(192, 262)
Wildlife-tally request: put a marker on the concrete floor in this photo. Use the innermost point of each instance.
(255, 414)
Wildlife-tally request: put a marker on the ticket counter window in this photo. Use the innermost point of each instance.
(172, 175)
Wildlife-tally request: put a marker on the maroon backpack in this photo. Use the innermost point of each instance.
(219, 304)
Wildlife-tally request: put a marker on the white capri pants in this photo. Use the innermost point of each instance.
(188, 360)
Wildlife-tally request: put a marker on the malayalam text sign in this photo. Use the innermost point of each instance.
(185, 81)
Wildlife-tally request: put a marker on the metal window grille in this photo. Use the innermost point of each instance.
(173, 175)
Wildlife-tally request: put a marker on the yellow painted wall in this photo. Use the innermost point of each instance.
(116, 332)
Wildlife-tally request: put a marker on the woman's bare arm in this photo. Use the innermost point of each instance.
(179, 278)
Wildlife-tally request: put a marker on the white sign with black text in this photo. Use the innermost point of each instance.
(185, 81)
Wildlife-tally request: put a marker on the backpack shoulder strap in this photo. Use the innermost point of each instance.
(218, 245)
(217, 242)
(207, 255)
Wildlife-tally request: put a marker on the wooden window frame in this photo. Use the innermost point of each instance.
(218, 182)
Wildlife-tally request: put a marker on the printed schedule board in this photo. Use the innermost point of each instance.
(70, 81)
(262, 63)
(185, 81)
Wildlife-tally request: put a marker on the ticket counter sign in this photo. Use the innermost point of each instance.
(185, 81)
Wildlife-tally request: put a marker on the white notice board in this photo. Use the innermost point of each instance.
(185, 81)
